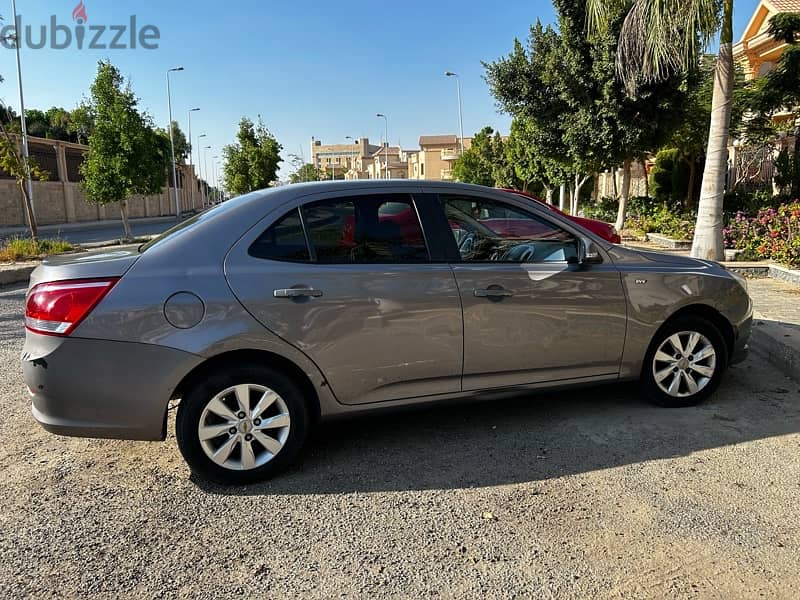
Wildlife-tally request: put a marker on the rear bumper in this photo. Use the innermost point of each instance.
(102, 389)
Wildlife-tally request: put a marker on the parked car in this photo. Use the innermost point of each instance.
(283, 307)
(605, 230)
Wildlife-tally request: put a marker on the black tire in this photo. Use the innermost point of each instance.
(200, 394)
(679, 325)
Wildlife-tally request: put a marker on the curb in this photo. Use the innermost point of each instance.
(777, 343)
(14, 276)
(667, 242)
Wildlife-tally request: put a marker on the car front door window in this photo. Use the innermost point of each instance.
(487, 230)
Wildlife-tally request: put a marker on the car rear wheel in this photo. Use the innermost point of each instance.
(241, 425)
(685, 363)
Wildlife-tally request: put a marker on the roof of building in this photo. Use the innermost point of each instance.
(786, 5)
(759, 20)
(382, 150)
(437, 140)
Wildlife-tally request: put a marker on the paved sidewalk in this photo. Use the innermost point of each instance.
(776, 327)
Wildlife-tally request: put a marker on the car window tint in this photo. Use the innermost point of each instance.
(487, 230)
(284, 240)
(365, 229)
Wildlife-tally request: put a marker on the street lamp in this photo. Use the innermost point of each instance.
(386, 120)
(24, 121)
(191, 148)
(172, 144)
(460, 118)
(200, 168)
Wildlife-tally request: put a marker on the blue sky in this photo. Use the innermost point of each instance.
(308, 68)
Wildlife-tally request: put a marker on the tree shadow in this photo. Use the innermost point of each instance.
(529, 439)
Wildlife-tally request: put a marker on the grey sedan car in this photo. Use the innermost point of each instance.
(283, 307)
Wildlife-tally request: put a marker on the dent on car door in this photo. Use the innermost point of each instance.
(348, 280)
(530, 314)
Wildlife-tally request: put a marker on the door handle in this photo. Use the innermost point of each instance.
(493, 292)
(297, 293)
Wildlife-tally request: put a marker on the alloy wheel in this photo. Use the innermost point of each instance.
(684, 364)
(244, 426)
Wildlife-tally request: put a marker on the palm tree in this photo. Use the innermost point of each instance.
(659, 37)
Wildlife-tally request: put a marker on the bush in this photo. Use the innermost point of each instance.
(647, 215)
(751, 201)
(772, 234)
(25, 248)
(604, 210)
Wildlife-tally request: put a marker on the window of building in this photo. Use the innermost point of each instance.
(365, 229)
(491, 231)
(422, 169)
(284, 240)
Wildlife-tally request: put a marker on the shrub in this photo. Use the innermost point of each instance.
(772, 234)
(604, 210)
(24, 248)
(647, 215)
(751, 202)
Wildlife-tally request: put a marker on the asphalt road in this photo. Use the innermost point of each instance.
(581, 494)
(93, 234)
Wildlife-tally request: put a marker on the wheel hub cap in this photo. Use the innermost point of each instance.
(244, 427)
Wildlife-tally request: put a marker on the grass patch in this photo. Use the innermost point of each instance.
(17, 249)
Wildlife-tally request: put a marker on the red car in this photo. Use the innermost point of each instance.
(601, 228)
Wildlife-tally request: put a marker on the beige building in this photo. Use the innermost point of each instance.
(757, 52)
(343, 161)
(398, 163)
(435, 158)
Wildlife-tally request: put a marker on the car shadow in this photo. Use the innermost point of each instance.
(529, 439)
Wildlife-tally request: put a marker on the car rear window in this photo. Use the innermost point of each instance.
(364, 230)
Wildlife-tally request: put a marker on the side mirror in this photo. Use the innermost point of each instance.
(588, 254)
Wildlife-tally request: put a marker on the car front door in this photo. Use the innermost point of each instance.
(348, 279)
(531, 314)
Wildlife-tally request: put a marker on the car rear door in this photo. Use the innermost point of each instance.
(348, 279)
(530, 315)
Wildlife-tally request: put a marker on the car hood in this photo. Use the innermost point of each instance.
(625, 255)
(86, 265)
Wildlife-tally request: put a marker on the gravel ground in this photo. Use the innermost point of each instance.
(588, 493)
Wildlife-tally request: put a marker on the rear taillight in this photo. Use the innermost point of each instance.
(56, 308)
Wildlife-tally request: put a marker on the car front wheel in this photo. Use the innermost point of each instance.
(241, 425)
(685, 363)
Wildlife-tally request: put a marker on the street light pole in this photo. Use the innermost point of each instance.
(24, 121)
(172, 144)
(386, 120)
(191, 150)
(203, 197)
(460, 117)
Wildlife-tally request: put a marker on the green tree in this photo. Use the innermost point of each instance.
(251, 163)
(531, 166)
(182, 145)
(126, 156)
(80, 124)
(659, 38)
(13, 162)
(579, 117)
(479, 164)
(306, 172)
(778, 91)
